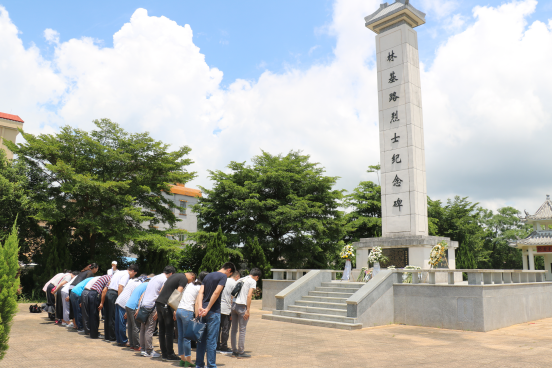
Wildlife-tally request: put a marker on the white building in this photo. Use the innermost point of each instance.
(8, 130)
(183, 197)
(539, 242)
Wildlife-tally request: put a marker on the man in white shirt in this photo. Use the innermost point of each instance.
(147, 301)
(115, 288)
(241, 309)
(65, 300)
(225, 311)
(113, 268)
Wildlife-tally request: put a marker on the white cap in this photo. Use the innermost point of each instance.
(114, 262)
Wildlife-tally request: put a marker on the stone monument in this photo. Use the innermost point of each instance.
(403, 174)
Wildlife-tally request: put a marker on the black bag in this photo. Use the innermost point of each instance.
(35, 309)
(143, 314)
(237, 289)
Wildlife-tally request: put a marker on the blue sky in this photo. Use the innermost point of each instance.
(310, 83)
(241, 38)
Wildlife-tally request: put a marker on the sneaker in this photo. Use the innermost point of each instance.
(80, 330)
(243, 355)
(226, 352)
(154, 354)
(70, 325)
(64, 324)
(145, 354)
(171, 357)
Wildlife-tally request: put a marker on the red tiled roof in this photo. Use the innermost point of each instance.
(11, 117)
(181, 189)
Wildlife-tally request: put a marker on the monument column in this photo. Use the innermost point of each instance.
(402, 157)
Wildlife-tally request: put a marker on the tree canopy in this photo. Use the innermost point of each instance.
(105, 186)
(285, 201)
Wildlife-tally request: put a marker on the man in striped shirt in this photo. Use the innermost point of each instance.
(96, 298)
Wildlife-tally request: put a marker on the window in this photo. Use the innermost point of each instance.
(183, 204)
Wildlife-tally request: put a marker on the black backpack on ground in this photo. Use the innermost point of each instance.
(35, 309)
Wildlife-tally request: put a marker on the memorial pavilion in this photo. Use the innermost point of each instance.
(539, 242)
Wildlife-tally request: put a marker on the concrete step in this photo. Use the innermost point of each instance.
(313, 322)
(333, 312)
(307, 303)
(324, 299)
(356, 285)
(330, 294)
(316, 316)
(336, 289)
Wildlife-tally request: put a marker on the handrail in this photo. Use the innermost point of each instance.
(476, 276)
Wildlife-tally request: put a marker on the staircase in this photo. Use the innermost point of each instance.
(325, 307)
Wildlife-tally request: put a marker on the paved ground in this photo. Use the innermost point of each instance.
(36, 342)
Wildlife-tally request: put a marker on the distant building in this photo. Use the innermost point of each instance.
(8, 130)
(539, 242)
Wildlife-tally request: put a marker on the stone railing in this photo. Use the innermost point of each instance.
(296, 273)
(475, 277)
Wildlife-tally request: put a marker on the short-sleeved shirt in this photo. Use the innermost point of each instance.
(210, 283)
(175, 281)
(91, 282)
(101, 283)
(226, 299)
(68, 286)
(135, 296)
(118, 278)
(248, 283)
(81, 276)
(80, 287)
(189, 297)
(54, 280)
(110, 271)
(127, 291)
(152, 291)
(66, 278)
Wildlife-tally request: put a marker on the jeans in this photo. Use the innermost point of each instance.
(120, 325)
(238, 310)
(109, 315)
(209, 341)
(166, 329)
(84, 310)
(75, 301)
(225, 323)
(182, 318)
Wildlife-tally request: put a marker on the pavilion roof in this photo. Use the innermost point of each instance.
(535, 238)
(543, 213)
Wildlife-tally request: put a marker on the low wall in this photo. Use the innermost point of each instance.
(270, 289)
(475, 308)
(372, 304)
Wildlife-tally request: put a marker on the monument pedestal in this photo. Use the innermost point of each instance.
(409, 250)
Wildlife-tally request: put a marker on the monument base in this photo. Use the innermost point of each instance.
(411, 250)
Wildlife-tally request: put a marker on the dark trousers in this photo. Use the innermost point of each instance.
(166, 329)
(120, 325)
(75, 301)
(71, 313)
(84, 309)
(50, 298)
(94, 299)
(225, 323)
(59, 304)
(109, 316)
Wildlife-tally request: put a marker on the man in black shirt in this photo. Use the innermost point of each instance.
(85, 274)
(166, 315)
(76, 308)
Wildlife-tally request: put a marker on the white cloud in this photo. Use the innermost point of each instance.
(51, 35)
(485, 96)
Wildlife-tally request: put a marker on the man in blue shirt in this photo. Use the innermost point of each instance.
(130, 309)
(209, 294)
(76, 301)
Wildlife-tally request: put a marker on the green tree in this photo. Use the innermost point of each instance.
(364, 220)
(9, 283)
(55, 256)
(20, 189)
(106, 186)
(285, 201)
(503, 227)
(254, 255)
(460, 220)
(216, 253)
